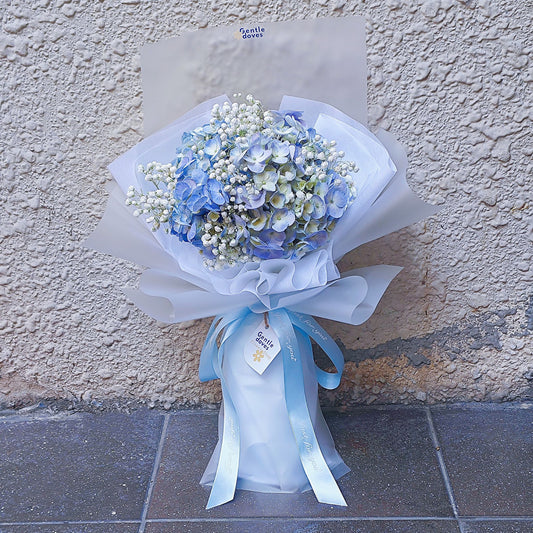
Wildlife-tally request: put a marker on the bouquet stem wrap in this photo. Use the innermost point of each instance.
(273, 437)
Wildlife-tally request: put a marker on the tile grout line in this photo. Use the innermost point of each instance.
(67, 522)
(510, 518)
(155, 470)
(442, 466)
(289, 519)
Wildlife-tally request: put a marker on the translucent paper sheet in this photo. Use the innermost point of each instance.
(269, 458)
(321, 59)
(314, 61)
(179, 287)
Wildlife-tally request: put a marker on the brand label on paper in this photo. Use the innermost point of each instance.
(250, 33)
(262, 347)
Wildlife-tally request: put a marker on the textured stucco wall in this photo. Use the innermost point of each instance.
(450, 79)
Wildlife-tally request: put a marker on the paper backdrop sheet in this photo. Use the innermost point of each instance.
(321, 59)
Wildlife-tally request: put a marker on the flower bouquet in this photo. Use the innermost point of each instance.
(243, 212)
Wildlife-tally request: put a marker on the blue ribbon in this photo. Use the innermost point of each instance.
(284, 323)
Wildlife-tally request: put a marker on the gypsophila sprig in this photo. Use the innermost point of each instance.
(156, 204)
(252, 184)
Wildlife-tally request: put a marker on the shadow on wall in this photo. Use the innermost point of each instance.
(461, 340)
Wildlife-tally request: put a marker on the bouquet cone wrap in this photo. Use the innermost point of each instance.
(272, 435)
(269, 457)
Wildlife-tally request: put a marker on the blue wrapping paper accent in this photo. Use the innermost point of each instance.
(284, 323)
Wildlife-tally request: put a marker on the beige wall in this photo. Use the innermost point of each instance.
(448, 78)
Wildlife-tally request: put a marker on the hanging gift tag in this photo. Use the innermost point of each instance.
(262, 347)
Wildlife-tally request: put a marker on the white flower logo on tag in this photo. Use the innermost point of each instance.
(262, 347)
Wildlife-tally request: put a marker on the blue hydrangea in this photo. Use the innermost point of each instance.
(250, 185)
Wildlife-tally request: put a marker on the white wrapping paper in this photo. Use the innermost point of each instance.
(176, 286)
(269, 458)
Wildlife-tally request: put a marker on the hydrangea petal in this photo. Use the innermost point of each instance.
(216, 192)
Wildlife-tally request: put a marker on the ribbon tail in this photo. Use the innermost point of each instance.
(225, 482)
(316, 469)
(310, 327)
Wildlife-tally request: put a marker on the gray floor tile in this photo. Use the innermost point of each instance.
(76, 467)
(70, 528)
(488, 452)
(394, 471)
(498, 526)
(301, 526)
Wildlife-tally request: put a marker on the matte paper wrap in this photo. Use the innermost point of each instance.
(272, 435)
(269, 455)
